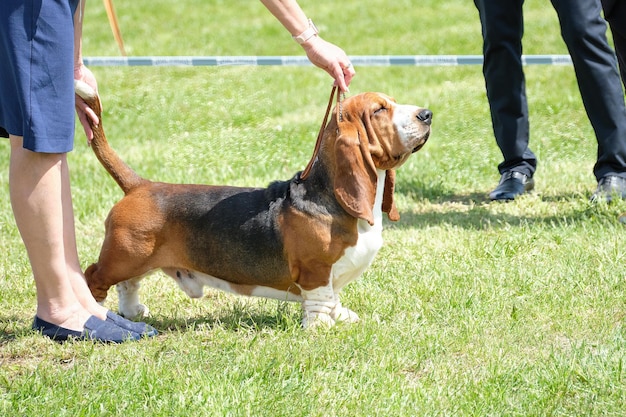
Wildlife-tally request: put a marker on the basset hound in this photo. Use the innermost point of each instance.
(297, 240)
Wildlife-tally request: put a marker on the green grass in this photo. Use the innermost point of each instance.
(470, 308)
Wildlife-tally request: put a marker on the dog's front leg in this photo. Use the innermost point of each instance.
(318, 306)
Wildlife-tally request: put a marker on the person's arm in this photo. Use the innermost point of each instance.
(82, 73)
(78, 34)
(323, 54)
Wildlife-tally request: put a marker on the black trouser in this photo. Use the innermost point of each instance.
(584, 33)
(616, 17)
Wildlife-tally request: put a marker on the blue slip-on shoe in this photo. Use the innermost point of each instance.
(95, 329)
(136, 327)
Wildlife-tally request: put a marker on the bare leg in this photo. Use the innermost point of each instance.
(41, 200)
(74, 271)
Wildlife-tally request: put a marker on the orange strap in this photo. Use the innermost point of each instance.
(115, 27)
(318, 143)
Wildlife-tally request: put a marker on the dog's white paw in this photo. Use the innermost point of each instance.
(318, 313)
(313, 320)
(137, 311)
(343, 314)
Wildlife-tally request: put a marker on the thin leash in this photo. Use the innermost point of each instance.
(304, 174)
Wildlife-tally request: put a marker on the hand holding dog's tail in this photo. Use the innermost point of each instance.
(85, 114)
(89, 109)
(125, 177)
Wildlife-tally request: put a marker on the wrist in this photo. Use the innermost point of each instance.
(78, 67)
(308, 34)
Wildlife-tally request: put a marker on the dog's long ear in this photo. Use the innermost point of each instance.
(389, 205)
(355, 173)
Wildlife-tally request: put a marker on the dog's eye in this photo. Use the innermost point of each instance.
(381, 109)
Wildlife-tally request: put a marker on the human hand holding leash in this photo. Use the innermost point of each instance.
(331, 59)
(321, 53)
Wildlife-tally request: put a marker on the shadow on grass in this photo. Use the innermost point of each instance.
(474, 211)
(238, 318)
(7, 332)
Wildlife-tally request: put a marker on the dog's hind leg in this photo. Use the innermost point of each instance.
(128, 299)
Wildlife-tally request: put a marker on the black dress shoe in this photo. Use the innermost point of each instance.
(610, 187)
(511, 185)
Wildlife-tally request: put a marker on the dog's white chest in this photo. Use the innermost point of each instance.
(357, 258)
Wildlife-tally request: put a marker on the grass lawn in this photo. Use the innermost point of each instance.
(469, 309)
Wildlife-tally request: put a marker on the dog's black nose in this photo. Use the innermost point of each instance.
(425, 116)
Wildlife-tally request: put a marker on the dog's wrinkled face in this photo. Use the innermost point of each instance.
(373, 133)
(393, 131)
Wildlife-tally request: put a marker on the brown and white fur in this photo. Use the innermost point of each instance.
(297, 240)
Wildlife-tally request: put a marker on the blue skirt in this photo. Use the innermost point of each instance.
(37, 73)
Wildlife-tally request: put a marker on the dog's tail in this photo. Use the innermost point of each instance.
(125, 177)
